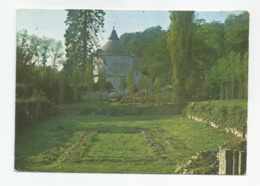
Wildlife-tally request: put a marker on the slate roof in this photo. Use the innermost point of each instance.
(113, 35)
(114, 46)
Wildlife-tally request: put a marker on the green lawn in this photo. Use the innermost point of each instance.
(109, 144)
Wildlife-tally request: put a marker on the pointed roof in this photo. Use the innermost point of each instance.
(113, 45)
(113, 34)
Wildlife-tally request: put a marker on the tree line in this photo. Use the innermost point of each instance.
(39, 59)
(199, 60)
(196, 59)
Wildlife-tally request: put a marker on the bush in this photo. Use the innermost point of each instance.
(20, 90)
(30, 112)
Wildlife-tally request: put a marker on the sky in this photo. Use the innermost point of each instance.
(51, 22)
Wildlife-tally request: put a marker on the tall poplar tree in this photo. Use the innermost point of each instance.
(81, 37)
(180, 49)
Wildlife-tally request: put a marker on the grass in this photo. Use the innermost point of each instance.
(116, 108)
(109, 144)
(120, 145)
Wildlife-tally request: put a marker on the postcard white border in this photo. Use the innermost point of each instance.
(7, 83)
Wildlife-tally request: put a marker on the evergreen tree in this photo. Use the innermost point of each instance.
(81, 37)
(89, 78)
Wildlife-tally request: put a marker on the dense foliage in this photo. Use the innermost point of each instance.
(82, 42)
(196, 60)
(191, 61)
(81, 37)
(199, 60)
(37, 62)
(180, 44)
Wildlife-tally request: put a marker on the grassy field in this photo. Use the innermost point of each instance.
(113, 144)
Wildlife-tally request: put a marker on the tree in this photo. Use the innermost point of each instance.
(157, 86)
(75, 83)
(24, 69)
(133, 42)
(45, 51)
(101, 82)
(56, 53)
(123, 85)
(33, 78)
(89, 78)
(65, 90)
(47, 82)
(81, 37)
(180, 49)
(208, 42)
(236, 33)
(142, 82)
(158, 60)
(230, 75)
(130, 81)
(244, 82)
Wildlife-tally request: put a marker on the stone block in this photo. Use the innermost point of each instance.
(242, 163)
(229, 162)
(226, 162)
(235, 162)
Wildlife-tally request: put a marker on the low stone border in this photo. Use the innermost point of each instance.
(233, 131)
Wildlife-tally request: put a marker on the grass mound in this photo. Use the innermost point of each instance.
(225, 113)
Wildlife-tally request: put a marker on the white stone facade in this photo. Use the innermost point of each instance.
(115, 60)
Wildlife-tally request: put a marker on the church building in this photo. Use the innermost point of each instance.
(115, 60)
